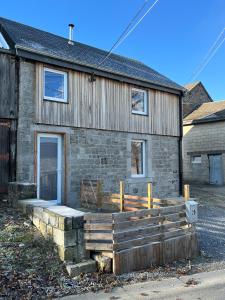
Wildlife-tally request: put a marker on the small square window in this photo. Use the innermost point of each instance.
(139, 101)
(137, 158)
(55, 85)
(196, 159)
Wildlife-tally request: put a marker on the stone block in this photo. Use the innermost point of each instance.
(87, 266)
(68, 253)
(65, 238)
(65, 223)
(104, 263)
(43, 228)
(36, 222)
(49, 230)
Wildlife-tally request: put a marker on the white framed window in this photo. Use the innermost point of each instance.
(196, 159)
(138, 158)
(3, 43)
(55, 85)
(139, 101)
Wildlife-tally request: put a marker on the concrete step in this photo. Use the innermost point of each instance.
(86, 266)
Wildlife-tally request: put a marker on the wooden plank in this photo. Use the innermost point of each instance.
(98, 216)
(99, 246)
(100, 226)
(146, 239)
(121, 196)
(119, 226)
(147, 212)
(98, 236)
(134, 232)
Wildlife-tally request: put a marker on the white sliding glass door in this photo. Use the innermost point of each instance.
(49, 167)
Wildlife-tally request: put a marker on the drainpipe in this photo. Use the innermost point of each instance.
(180, 145)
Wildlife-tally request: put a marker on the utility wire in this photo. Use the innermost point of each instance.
(126, 31)
(212, 51)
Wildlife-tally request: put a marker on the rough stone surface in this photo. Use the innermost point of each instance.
(87, 266)
(21, 190)
(202, 139)
(62, 224)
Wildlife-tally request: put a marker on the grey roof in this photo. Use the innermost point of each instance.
(207, 112)
(48, 44)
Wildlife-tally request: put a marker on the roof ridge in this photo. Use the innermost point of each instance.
(77, 42)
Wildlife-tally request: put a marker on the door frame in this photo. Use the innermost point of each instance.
(59, 163)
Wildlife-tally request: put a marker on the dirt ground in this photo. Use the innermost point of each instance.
(30, 268)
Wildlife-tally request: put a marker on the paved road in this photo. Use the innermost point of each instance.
(206, 286)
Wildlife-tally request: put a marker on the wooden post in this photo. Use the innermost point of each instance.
(149, 195)
(187, 192)
(99, 194)
(121, 196)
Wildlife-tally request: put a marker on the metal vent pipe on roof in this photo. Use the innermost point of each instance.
(71, 27)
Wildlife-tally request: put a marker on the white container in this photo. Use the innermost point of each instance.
(192, 211)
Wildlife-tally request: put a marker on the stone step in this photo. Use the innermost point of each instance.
(87, 266)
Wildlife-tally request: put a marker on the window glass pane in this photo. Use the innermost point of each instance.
(54, 85)
(138, 101)
(48, 168)
(197, 159)
(137, 166)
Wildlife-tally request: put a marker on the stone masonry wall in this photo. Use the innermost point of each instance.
(202, 139)
(194, 98)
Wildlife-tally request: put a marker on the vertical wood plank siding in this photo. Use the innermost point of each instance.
(106, 104)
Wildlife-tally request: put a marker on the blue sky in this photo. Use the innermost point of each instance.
(172, 39)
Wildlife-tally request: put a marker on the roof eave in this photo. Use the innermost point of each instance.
(66, 63)
(202, 121)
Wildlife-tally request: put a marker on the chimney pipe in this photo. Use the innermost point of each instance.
(71, 27)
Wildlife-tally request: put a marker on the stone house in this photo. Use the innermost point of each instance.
(203, 140)
(79, 116)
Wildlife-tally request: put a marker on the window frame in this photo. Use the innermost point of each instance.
(65, 76)
(143, 155)
(3, 43)
(145, 112)
(192, 159)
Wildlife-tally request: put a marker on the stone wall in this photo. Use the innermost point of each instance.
(202, 139)
(21, 190)
(194, 98)
(95, 154)
(62, 224)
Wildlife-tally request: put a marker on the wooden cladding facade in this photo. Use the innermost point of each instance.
(8, 86)
(106, 104)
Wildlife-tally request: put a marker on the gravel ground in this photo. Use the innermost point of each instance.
(211, 229)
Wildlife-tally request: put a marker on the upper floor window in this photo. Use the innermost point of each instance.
(55, 85)
(3, 43)
(139, 101)
(137, 158)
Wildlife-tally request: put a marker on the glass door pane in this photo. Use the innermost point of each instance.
(49, 168)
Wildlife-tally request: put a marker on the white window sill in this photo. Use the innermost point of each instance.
(55, 99)
(139, 113)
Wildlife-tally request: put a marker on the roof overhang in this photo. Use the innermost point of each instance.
(28, 53)
(202, 121)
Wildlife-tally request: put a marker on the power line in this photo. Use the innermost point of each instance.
(125, 33)
(212, 51)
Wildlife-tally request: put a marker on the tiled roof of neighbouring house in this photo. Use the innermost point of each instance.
(48, 44)
(207, 112)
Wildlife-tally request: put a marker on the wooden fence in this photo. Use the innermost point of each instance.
(138, 239)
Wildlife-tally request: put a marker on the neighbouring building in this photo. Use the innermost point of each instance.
(78, 117)
(204, 138)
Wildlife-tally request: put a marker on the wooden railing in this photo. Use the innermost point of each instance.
(92, 196)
